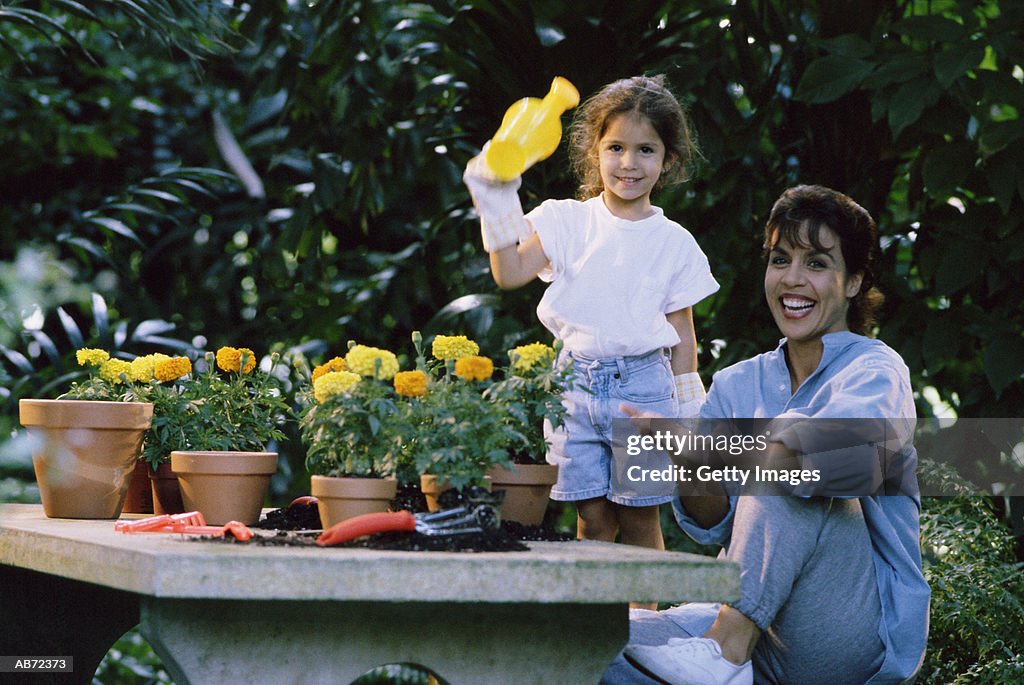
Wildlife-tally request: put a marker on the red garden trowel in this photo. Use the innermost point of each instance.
(458, 521)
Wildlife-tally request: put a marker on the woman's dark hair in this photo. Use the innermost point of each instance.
(818, 207)
(647, 96)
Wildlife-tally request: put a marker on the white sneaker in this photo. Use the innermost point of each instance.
(689, 661)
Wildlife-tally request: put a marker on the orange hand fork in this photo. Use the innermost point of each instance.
(189, 523)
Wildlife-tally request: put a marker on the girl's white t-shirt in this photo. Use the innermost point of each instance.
(612, 281)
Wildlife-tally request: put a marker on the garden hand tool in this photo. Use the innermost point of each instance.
(189, 523)
(457, 521)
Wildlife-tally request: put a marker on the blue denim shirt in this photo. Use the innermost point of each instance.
(857, 378)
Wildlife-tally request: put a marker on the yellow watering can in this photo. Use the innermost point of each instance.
(530, 130)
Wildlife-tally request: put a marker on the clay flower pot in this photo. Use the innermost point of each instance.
(85, 453)
(342, 498)
(224, 486)
(526, 487)
(165, 490)
(139, 499)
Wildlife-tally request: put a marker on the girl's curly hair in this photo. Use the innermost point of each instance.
(646, 96)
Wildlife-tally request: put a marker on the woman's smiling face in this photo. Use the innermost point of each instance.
(808, 288)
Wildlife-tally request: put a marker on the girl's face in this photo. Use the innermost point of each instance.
(630, 155)
(808, 290)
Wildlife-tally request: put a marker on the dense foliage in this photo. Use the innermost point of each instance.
(288, 173)
(977, 616)
(345, 126)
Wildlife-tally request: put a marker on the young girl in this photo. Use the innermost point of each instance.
(623, 279)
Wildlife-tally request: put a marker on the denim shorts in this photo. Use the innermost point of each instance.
(582, 447)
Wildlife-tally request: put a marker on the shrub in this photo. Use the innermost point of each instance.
(977, 612)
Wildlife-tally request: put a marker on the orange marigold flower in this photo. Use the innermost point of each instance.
(474, 368)
(172, 369)
(230, 359)
(335, 364)
(411, 383)
(144, 368)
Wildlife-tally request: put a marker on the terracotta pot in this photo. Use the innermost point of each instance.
(342, 498)
(85, 453)
(166, 491)
(224, 486)
(139, 499)
(526, 487)
(432, 487)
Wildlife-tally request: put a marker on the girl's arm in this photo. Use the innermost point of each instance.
(684, 354)
(689, 388)
(517, 265)
(502, 222)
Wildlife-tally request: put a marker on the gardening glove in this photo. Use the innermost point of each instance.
(502, 223)
(690, 394)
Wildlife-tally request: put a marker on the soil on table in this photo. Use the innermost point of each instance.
(298, 526)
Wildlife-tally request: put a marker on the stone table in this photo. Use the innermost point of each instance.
(232, 613)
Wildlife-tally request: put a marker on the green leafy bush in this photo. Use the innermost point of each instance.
(977, 614)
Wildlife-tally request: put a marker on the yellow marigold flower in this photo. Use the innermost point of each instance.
(172, 368)
(447, 347)
(411, 383)
(90, 356)
(112, 370)
(143, 367)
(230, 358)
(474, 368)
(333, 383)
(335, 364)
(363, 360)
(525, 357)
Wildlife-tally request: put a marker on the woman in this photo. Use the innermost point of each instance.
(831, 588)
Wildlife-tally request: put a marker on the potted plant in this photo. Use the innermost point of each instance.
(531, 393)
(217, 423)
(452, 421)
(348, 422)
(160, 379)
(87, 440)
(462, 427)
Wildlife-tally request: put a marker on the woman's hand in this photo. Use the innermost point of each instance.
(641, 420)
(706, 509)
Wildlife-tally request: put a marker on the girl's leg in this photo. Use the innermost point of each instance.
(601, 519)
(596, 519)
(640, 526)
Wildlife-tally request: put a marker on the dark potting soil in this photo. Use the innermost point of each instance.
(296, 525)
(293, 517)
(491, 541)
(510, 536)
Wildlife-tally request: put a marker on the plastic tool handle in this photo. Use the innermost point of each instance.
(160, 522)
(238, 530)
(367, 524)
